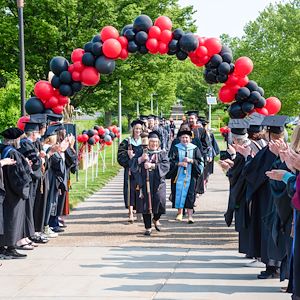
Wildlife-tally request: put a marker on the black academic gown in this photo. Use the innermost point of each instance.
(197, 171)
(2, 197)
(259, 197)
(28, 149)
(282, 221)
(156, 180)
(17, 182)
(237, 204)
(213, 150)
(130, 195)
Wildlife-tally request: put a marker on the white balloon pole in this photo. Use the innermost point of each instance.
(87, 164)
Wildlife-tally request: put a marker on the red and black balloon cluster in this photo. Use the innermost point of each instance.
(145, 36)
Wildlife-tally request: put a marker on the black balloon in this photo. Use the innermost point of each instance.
(261, 91)
(181, 55)
(222, 78)
(242, 94)
(261, 103)
(97, 49)
(48, 111)
(129, 34)
(235, 111)
(55, 82)
(247, 107)
(210, 77)
(96, 127)
(224, 68)
(88, 59)
(173, 45)
(34, 106)
(188, 42)
(252, 85)
(112, 135)
(65, 90)
(254, 97)
(172, 52)
(178, 33)
(90, 133)
(227, 57)
(216, 60)
(84, 132)
(65, 77)
(91, 141)
(105, 65)
(96, 39)
(132, 47)
(142, 23)
(143, 49)
(141, 38)
(129, 26)
(231, 68)
(76, 86)
(225, 49)
(58, 64)
(88, 47)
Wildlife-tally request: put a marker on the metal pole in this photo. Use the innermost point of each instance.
(209, 116)
(137, 109)
(151, 104)
(20, 4)
(156, 106)
(87, 165)
(120, 108)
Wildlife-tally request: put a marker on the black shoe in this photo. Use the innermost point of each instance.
(268, 275)
(157, 227)
(147, 232)
(57, 229)
(3, 253)
(39, 239)
(14, 254)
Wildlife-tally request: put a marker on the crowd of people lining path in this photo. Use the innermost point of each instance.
(262, 169)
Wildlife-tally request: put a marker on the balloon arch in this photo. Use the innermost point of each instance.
(99, 56)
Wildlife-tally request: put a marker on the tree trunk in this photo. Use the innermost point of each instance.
(107, 118)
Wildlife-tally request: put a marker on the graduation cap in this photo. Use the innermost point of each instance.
(54, 117)
(143, 117)
(31, 126)
(203, 120)
(183, 132)
(151, 117)
(192, 113)
(238, 126)
(135, 122)
(41, 119)
(12, 133)
(255, 122)
(275, 124)
(154, 135)
(52, 129)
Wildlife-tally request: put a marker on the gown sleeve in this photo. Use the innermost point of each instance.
(163, 166)
(123, 158)
(198, 163)
(174, 159)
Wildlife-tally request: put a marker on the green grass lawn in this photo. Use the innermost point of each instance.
(78, 192)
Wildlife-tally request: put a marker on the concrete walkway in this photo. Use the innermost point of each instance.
(101, 256)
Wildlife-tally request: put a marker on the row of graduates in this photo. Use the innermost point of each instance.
(264, 198)
(34, 182)
(147, 166)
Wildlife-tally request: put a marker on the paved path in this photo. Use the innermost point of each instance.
(101, 256)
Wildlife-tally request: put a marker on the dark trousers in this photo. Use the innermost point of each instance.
(147, 219)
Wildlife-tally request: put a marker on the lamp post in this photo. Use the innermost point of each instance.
(211, 100)
(137, 109)
(20, 4)
(120, 110)
(151, 104)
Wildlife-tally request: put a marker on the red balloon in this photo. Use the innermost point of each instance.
(112, 48)
(101, 131)
(163, 23)
(43, 90)
(235, 88)
(76, 76)
(243, 66)
(78, 66)
(109, 32)
(123, 41)
(58, 109)
(163, 48)
(204, 60)
(108, 143)
(166, 36)
(242, 81)
(71, 68)
(21, 122)
(63, 100)
(52, 102)
(201, 40)
(77, 55)
(213, 46)
(84, 138)
(152, 45)
(262, 111)
(115, 130)
(79, 138)
(201, 51)
(154, 32)
(124, 54)
(273, 105)
(96, 138)
(226, 94)
(90, 76)
(232, 80)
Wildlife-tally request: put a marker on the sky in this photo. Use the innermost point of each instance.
(215, 17)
